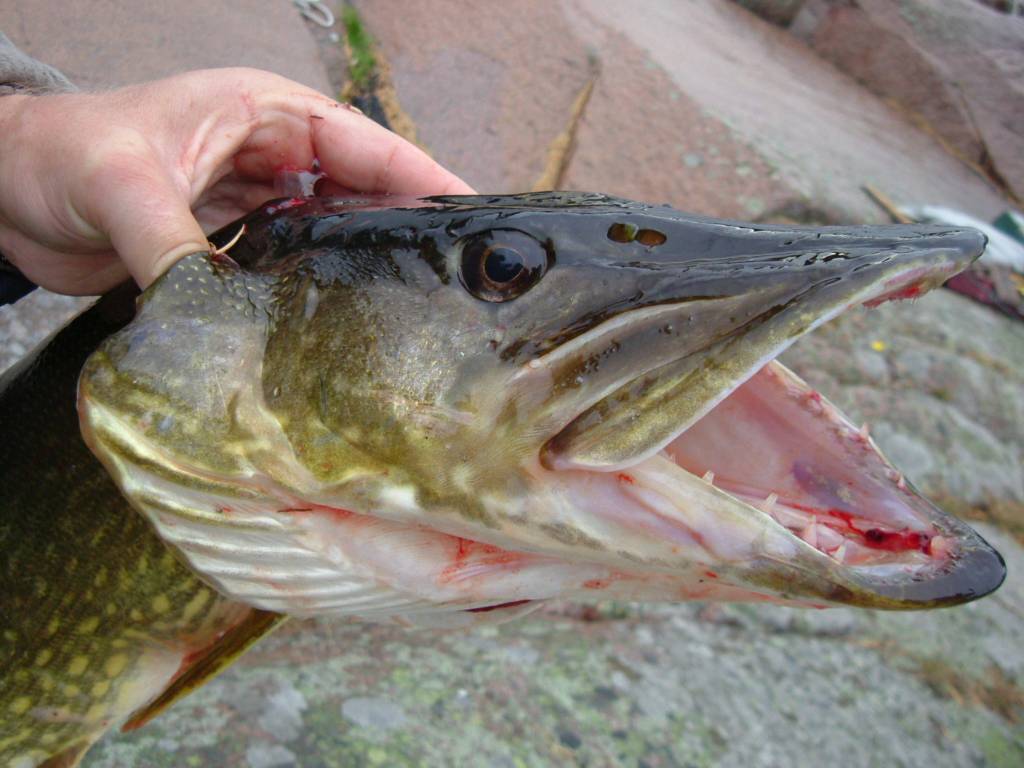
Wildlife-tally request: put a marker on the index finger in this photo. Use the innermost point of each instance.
(366, 157)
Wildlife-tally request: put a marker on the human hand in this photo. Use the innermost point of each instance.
(94, 187)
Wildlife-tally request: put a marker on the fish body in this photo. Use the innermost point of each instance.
(98, 613)
(445, 411)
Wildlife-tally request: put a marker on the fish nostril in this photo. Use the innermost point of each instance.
(623, 232)
(650, 237)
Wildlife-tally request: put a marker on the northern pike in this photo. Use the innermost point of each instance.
(444, 411)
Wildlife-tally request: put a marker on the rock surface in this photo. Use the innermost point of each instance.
(31, 320)
(104, 43)
(703, 105)
(700, 104)
(957, 65)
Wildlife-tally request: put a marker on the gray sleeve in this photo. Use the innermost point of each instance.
(23, 74)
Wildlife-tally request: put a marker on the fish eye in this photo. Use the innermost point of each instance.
(502, 264)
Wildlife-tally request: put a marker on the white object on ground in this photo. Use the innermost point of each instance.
(1002, 249)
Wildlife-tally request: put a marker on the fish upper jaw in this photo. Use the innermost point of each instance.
(640, 410)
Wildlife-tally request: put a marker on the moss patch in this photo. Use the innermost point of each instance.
(362, 64)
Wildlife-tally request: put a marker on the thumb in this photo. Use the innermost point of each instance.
(146, 216)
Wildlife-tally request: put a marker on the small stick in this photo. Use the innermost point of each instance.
(887, 205)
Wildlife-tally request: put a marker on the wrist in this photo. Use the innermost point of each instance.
(11, 108)
(12, 96)
(13, 285)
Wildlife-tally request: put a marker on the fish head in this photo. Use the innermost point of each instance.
(532, 396)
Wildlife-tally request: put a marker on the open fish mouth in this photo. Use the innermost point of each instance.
(853, 529)
(776, 457)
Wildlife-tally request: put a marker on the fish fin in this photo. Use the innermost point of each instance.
(68, 757)
(208, 663)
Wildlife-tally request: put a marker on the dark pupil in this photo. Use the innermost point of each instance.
(503, 265)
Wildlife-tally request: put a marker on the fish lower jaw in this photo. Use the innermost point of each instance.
(778, 450)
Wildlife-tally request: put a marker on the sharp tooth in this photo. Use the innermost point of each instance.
(940, 546)
(810, 534)
(709, 477)
(839, 553)
(901, 483)
(864, 433)
(768, 505)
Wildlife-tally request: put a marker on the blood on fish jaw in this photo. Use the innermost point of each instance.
(909, 292)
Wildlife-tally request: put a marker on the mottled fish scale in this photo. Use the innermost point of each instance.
(88, 640)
